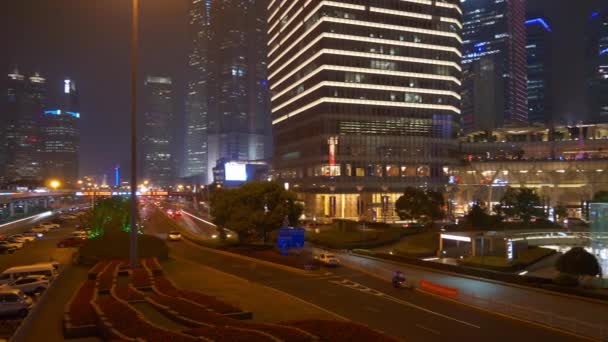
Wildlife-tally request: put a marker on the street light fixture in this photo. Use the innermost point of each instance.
(55, 184)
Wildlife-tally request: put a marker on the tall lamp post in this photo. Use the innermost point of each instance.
(134, 57)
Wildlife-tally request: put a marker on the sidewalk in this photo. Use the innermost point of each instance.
(588, 318)
(267, 305)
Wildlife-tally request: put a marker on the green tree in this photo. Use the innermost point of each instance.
(520, 203)
(578, 262)
(420, 205)
(255, 209)
(477, 217)
(561, 212)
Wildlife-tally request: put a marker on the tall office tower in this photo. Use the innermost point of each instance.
(365, 100)
(197, 109)
(540, 70)
(494, 64)
(156, 157)
(26, 102)
(61, 137)
(239, 106)
(597, 57)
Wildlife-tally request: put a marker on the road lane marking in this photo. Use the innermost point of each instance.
(428, 329)
(364, 289)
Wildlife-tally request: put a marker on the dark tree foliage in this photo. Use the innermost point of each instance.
(578, 262)
(520, 203)
(601, 196)
(417, 204)
(477, 217)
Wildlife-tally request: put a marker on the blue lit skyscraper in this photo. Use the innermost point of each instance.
(539, 50)
(494, 64)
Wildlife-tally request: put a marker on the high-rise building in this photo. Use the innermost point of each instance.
(540, 70)
(23, 141)
(156, 157)
(227, 105)
(365, 100)
(239, 107)
(197, 109)
(597, 56)
(61, 137)
(494, 64)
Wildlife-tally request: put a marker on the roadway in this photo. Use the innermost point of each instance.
(358, 296)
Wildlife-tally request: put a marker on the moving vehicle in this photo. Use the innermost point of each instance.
(22, 237)
(328, 259)
(30, 284)
(71, 242)
(14, 302)
(399, 281)
(50, 225)
(174, 236)
(11, 244)
(14, 273)
(575, 222)
(40, 229)
(33, 234)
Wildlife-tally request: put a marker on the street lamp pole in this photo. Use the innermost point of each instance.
(134, 59)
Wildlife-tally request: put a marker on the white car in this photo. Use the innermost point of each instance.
(30, 284)
(174, 236)
(50, 225)
(22, 238)
(328, 259)
(11, 244)
(40, 229)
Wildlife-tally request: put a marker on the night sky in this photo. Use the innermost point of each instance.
(88, 40)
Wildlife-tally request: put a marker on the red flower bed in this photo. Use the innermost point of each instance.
(128, 293)
(105, 280)
(151, 263)
(164, 285)
(99, 267)
(140, 277)
(80, 310)
(126, 321)
(209, 301)
(200, 314)
(226, 334)
(340, 331)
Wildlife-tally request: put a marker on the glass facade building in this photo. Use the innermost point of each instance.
(61, 137)
(494, 64)
(365, 100)
(157, 160)
(26, 100)
(597, 55)
(197, 109)
(540, 70)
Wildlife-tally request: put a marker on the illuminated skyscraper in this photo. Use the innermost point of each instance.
(494, 64)
(597, 56)
(197, 109)
(365, 100)
(61, 137)
(157, 160)
(540, 70)
(23, 141)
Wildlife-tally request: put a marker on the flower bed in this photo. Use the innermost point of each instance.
(130, 323)
(128, 293)
(140, 278)
(166, 287)
(98, 268)
(107, 278)
(152, 265)
(340, 331)
(80, 318)
(197, 313)
(231, 334)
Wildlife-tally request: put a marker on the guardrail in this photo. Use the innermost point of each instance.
(547, 318)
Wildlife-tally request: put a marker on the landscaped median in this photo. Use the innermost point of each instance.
(110, 314)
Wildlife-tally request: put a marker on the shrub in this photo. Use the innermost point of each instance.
(140, 277)
(105, 280)
(578, 262)
(340, 331)
(128, 293)
(116, 246)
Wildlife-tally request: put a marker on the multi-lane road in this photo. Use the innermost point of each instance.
(358, 296)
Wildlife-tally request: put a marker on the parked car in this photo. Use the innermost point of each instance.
(174, 236)
(23, 237)
(30, 284)
(40, 229)
(575, 222)
(33, 234)
(46, 269)
(71, 242)
(50, 225)
(7, 250)
(328, 259)
(11, 244)
(14, 302)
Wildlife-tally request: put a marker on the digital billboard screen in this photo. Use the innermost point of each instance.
(236, 172)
